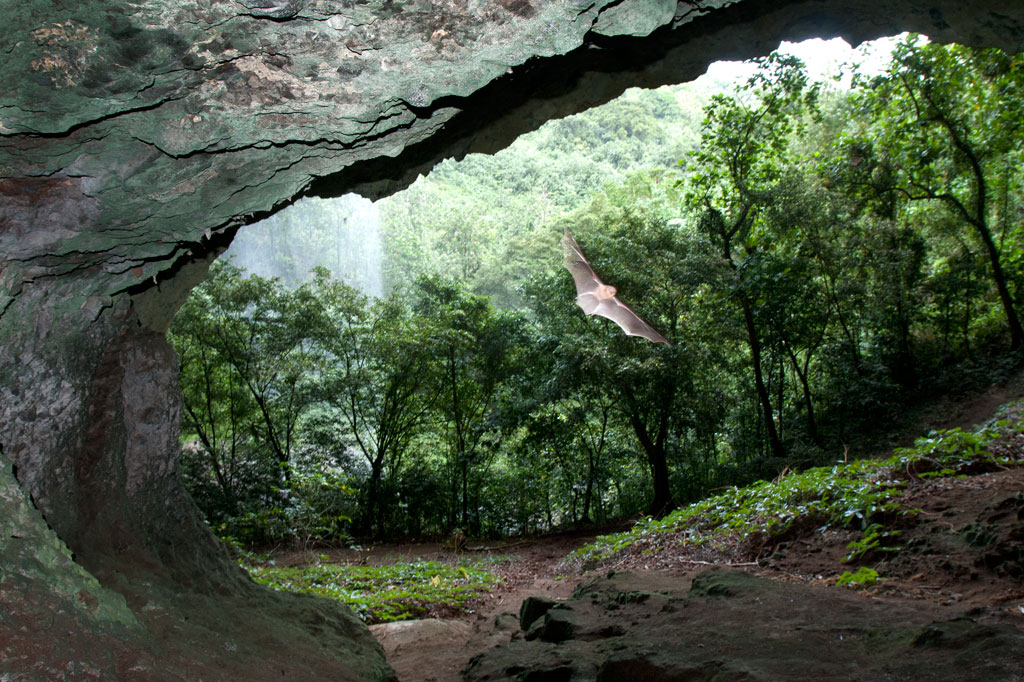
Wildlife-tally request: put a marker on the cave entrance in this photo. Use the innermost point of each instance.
(285, 406)
(453, 282)
(135, 145)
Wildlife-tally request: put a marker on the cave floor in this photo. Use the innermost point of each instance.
(961, 562)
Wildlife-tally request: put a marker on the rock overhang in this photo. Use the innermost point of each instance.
(144, 127)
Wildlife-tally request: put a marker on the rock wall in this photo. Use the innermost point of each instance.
(137, 137)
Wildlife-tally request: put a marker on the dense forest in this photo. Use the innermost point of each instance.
(821, 258)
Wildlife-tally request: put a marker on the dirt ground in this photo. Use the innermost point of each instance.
(961, 556)
(436, 649)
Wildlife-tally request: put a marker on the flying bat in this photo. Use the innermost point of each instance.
(597, 298)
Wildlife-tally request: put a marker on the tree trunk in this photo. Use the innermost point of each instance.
(594, 452)
(801, 374)
(589, 489)
(465, 491)
(979, 220)
(774, 442)
(279, 452)
(662, 503)
(1012, 321)
(371, 525)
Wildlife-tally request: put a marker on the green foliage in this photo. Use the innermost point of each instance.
(652, 398)
(248, 357)
(862, 577)
(950, 446)
(381, 594)
(943, 134)
(858, 494)
(376, 382)
(822, 496)
(818, 261)
(870, 542)
(486, 219)
(731, 187)
(315, 414)
(316, 507)
(476, 358)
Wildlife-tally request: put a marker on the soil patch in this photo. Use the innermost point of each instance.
(948, 604)
(436, 651)
(963, 549)
(437, 648)
(727, 624)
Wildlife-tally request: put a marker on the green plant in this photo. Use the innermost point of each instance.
(858, 493)
(863, 577)
(826, 496)
(380, 594)
(870, 541)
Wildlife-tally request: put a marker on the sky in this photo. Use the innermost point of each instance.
(823, 58)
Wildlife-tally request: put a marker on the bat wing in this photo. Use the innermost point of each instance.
(592, 295)
(583, 275)
(631, 323)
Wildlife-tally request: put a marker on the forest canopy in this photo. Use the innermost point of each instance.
(822, 259)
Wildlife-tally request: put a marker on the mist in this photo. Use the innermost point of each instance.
(341, 235)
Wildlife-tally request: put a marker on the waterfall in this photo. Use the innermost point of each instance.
(341, 235)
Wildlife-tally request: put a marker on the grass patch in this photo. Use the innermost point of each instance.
(863, 577)
(861, 494)
(381, 594)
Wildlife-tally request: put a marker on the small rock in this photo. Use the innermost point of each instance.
(557, 625)
(532, 609)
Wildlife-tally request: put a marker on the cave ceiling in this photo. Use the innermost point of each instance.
(133, 133)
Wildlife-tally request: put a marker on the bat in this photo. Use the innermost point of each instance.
(597, 298)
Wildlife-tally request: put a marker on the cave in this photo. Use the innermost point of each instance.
(136, 139)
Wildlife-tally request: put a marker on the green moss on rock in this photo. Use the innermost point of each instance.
(32, 553)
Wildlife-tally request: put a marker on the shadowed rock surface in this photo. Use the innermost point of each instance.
(135, 139)
(627, 627)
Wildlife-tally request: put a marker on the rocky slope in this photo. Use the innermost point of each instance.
(948, 603)
(726, 624)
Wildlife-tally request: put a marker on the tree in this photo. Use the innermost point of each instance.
(572, 409)
(475, 351)
(247, 354)
(217, 412)
(377, 378)
(945, 118)
(730, 184)
(648, 386)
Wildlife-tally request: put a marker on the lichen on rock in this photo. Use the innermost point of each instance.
(30, 552)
